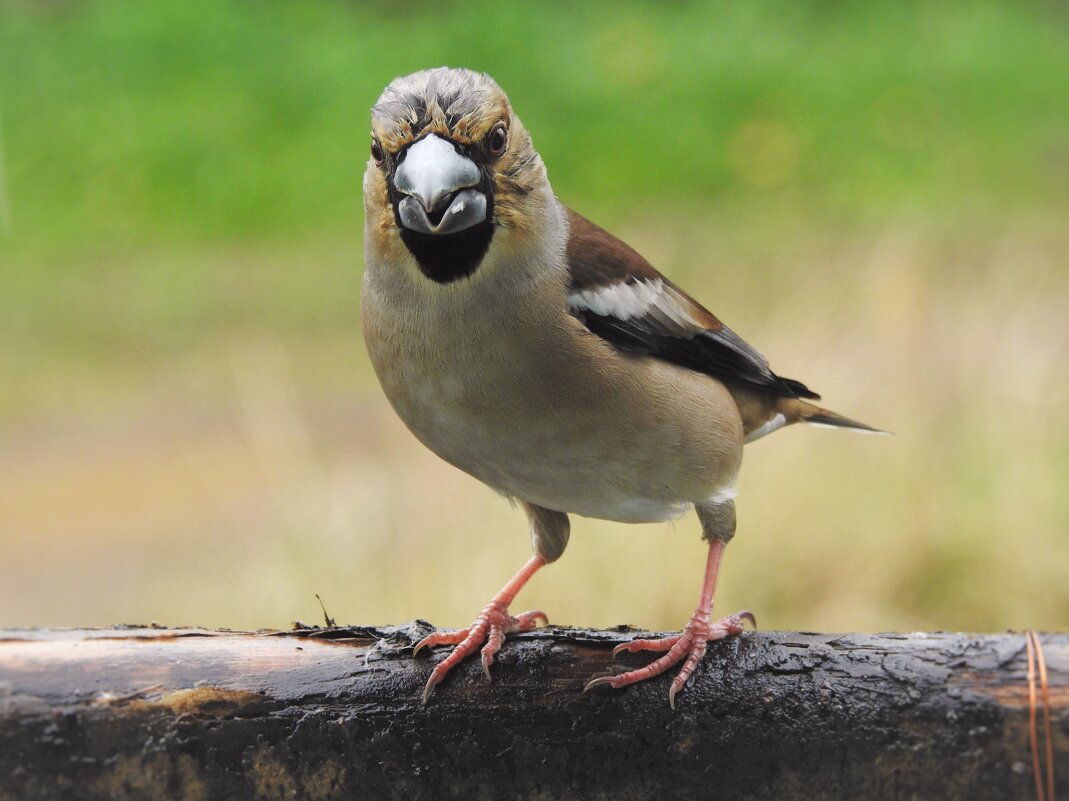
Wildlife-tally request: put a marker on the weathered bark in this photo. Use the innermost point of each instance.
(335, 713)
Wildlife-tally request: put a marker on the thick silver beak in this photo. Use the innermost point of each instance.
(436, 182)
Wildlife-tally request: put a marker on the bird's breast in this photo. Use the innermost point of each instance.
(544, 411)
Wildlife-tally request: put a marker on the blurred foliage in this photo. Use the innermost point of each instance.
(200, 120)
(874, 194)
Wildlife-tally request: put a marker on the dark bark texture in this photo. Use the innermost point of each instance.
(148, 713)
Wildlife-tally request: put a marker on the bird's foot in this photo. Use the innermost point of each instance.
(488, 630)
(687, 647)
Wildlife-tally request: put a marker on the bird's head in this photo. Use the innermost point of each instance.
(452, 171)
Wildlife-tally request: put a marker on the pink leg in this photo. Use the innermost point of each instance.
(688, 646)
(488, 630)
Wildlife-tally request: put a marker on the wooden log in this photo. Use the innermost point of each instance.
(149, 713)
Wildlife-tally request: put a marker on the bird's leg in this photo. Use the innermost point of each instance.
(488, 630)
(689, 645)
(549, 536)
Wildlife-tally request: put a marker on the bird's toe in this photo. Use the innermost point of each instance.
(688, 647)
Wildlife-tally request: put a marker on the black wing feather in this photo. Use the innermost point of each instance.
(708, 352)
(678, 329)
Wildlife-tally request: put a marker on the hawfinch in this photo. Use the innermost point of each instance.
(540, 354)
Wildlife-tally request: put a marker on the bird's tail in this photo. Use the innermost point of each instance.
(814, 415)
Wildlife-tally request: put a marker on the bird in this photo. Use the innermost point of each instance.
(545, 357)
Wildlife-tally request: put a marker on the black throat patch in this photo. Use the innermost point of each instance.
(448, 257)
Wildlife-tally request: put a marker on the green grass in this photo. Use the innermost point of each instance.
(207, 121)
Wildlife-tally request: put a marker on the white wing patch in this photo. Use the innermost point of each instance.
(777, 421)
(622, 301)
(653, 300)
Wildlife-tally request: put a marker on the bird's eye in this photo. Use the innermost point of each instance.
(497, 140)
(376, 152)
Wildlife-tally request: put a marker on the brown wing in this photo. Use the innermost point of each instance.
(621, 297)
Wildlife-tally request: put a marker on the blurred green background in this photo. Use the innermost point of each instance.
(874, 195)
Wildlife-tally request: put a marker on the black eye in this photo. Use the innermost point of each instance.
(376, 152)
(496, 140)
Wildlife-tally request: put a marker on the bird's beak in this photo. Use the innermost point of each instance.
(437, 184)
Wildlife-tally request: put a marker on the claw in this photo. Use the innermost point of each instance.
(428, 690)
(672, 696)
(488, 658)
(598, 682)
(527, 621)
